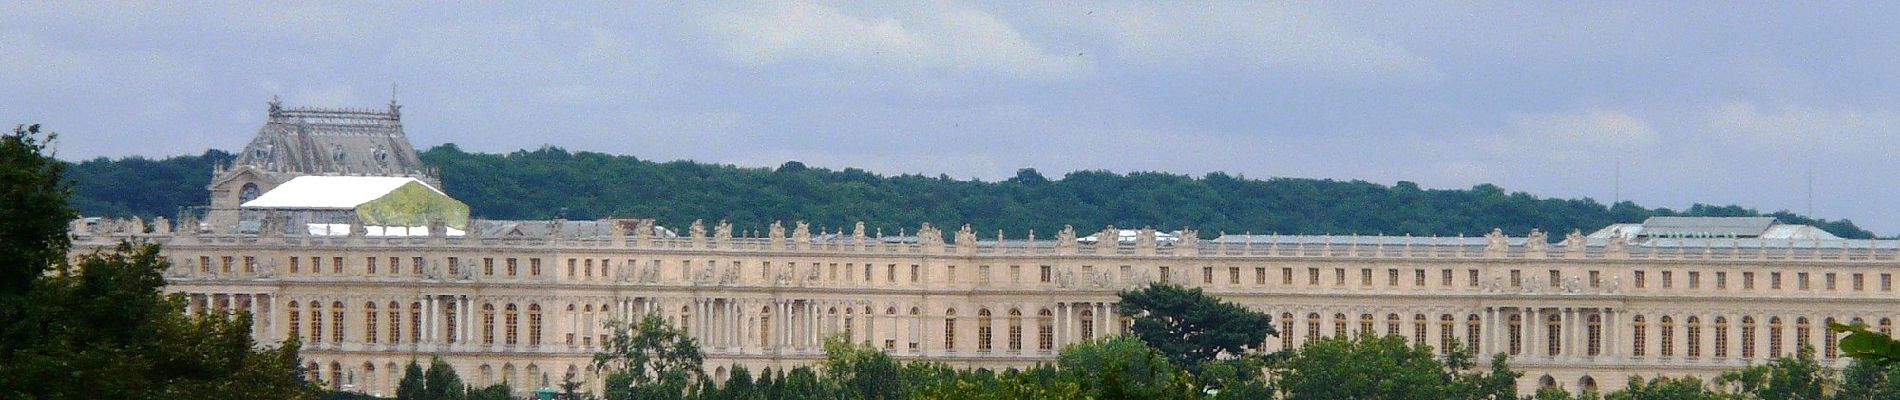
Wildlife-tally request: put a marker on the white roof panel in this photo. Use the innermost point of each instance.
(330, 192)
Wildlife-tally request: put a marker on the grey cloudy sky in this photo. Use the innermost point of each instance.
(1699, 101)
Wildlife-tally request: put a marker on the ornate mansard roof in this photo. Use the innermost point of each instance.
(315, 141)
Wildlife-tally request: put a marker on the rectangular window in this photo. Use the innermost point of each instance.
(250, 264)
(1207, 275)
(1828, 280)
(1639, 279)
(1391, 276)
(1668, 279)
(890, 273)
(1695, 279)
(867, 273)
(1312, 276)
(1286, 276)
(369, 265)
(1446, 279)
(1748, 280)
(1556, 279)
(534, 266)
(1418, 278)
(1860, 282)
(204, 264)
(1233, 275)
(1260, 276)
(1471, 277)
(1015, 274)
(573, 268)
(1128, 273)
(511, 266)
(983, 274)
(1774, 280)
(1596, 279)
(1886, 282)
(1048, 275)
(395, 265)
(293, 264)
(1339, 277)
(1164, 275)
(488, 266)
(916, 271)
(1801, 280)
(225, 263)
(316, 265)
(415, 265)
(336, 265)
(1721, 280)
(1365, 277)
(1517, 278)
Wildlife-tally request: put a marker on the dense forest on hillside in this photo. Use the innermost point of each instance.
(550, 182)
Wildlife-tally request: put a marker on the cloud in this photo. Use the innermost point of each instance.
(1594, 128)
(927, 40)
(1274, 39)
(1804, 128)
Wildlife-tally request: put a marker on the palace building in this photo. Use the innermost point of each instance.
(328, 227)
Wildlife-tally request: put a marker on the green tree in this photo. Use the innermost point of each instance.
(1782, 378)
(411, 387)
(1385, 367)
(863, 371)
(650, 360)
(1189, 326)
(1863, 380)
(33, 204)
(1121, 367)
(101, 326)
(441, 382)
(1664, 388)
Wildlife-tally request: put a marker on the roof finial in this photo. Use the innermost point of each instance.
(395, 111)
(276, 105)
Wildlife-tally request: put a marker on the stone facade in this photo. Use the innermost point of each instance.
(524, 301)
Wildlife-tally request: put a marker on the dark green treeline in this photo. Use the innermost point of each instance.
(552, 182)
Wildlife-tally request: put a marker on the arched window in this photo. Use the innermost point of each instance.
(1639, 334)
(1801, 334)
(1668, 345)
(1748, 337)
(1015, 330)
(296, 320)
(313, 373)
(316, 322)
(336, 375)
(395, 322)
(336, 322)
(488, 323)
(1045, 330)
(369, 374)
(369, 322)
(950, 330)
(1418, 330)
(1286, 331)
(1391, 324)
(1553, 332)
(765, 322)
(850, 324)
(1774, 337)
(1365, 324)
(1694, 348)
(1339, 325)
(985, 332)
(1312, 328)
(1829, 347)
(248, 192)
(1446, 333)
(1886, 326)
(510, 318)
(1472, 329)
(534, 324)
(1594, 347)
(1721, 337)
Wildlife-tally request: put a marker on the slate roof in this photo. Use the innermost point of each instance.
(333, 141)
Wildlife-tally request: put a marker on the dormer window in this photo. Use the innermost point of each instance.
(248, 192)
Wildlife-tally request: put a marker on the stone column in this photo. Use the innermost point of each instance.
(1533, 329)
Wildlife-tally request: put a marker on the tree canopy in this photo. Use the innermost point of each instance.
(1189, 326)
(550, 182)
